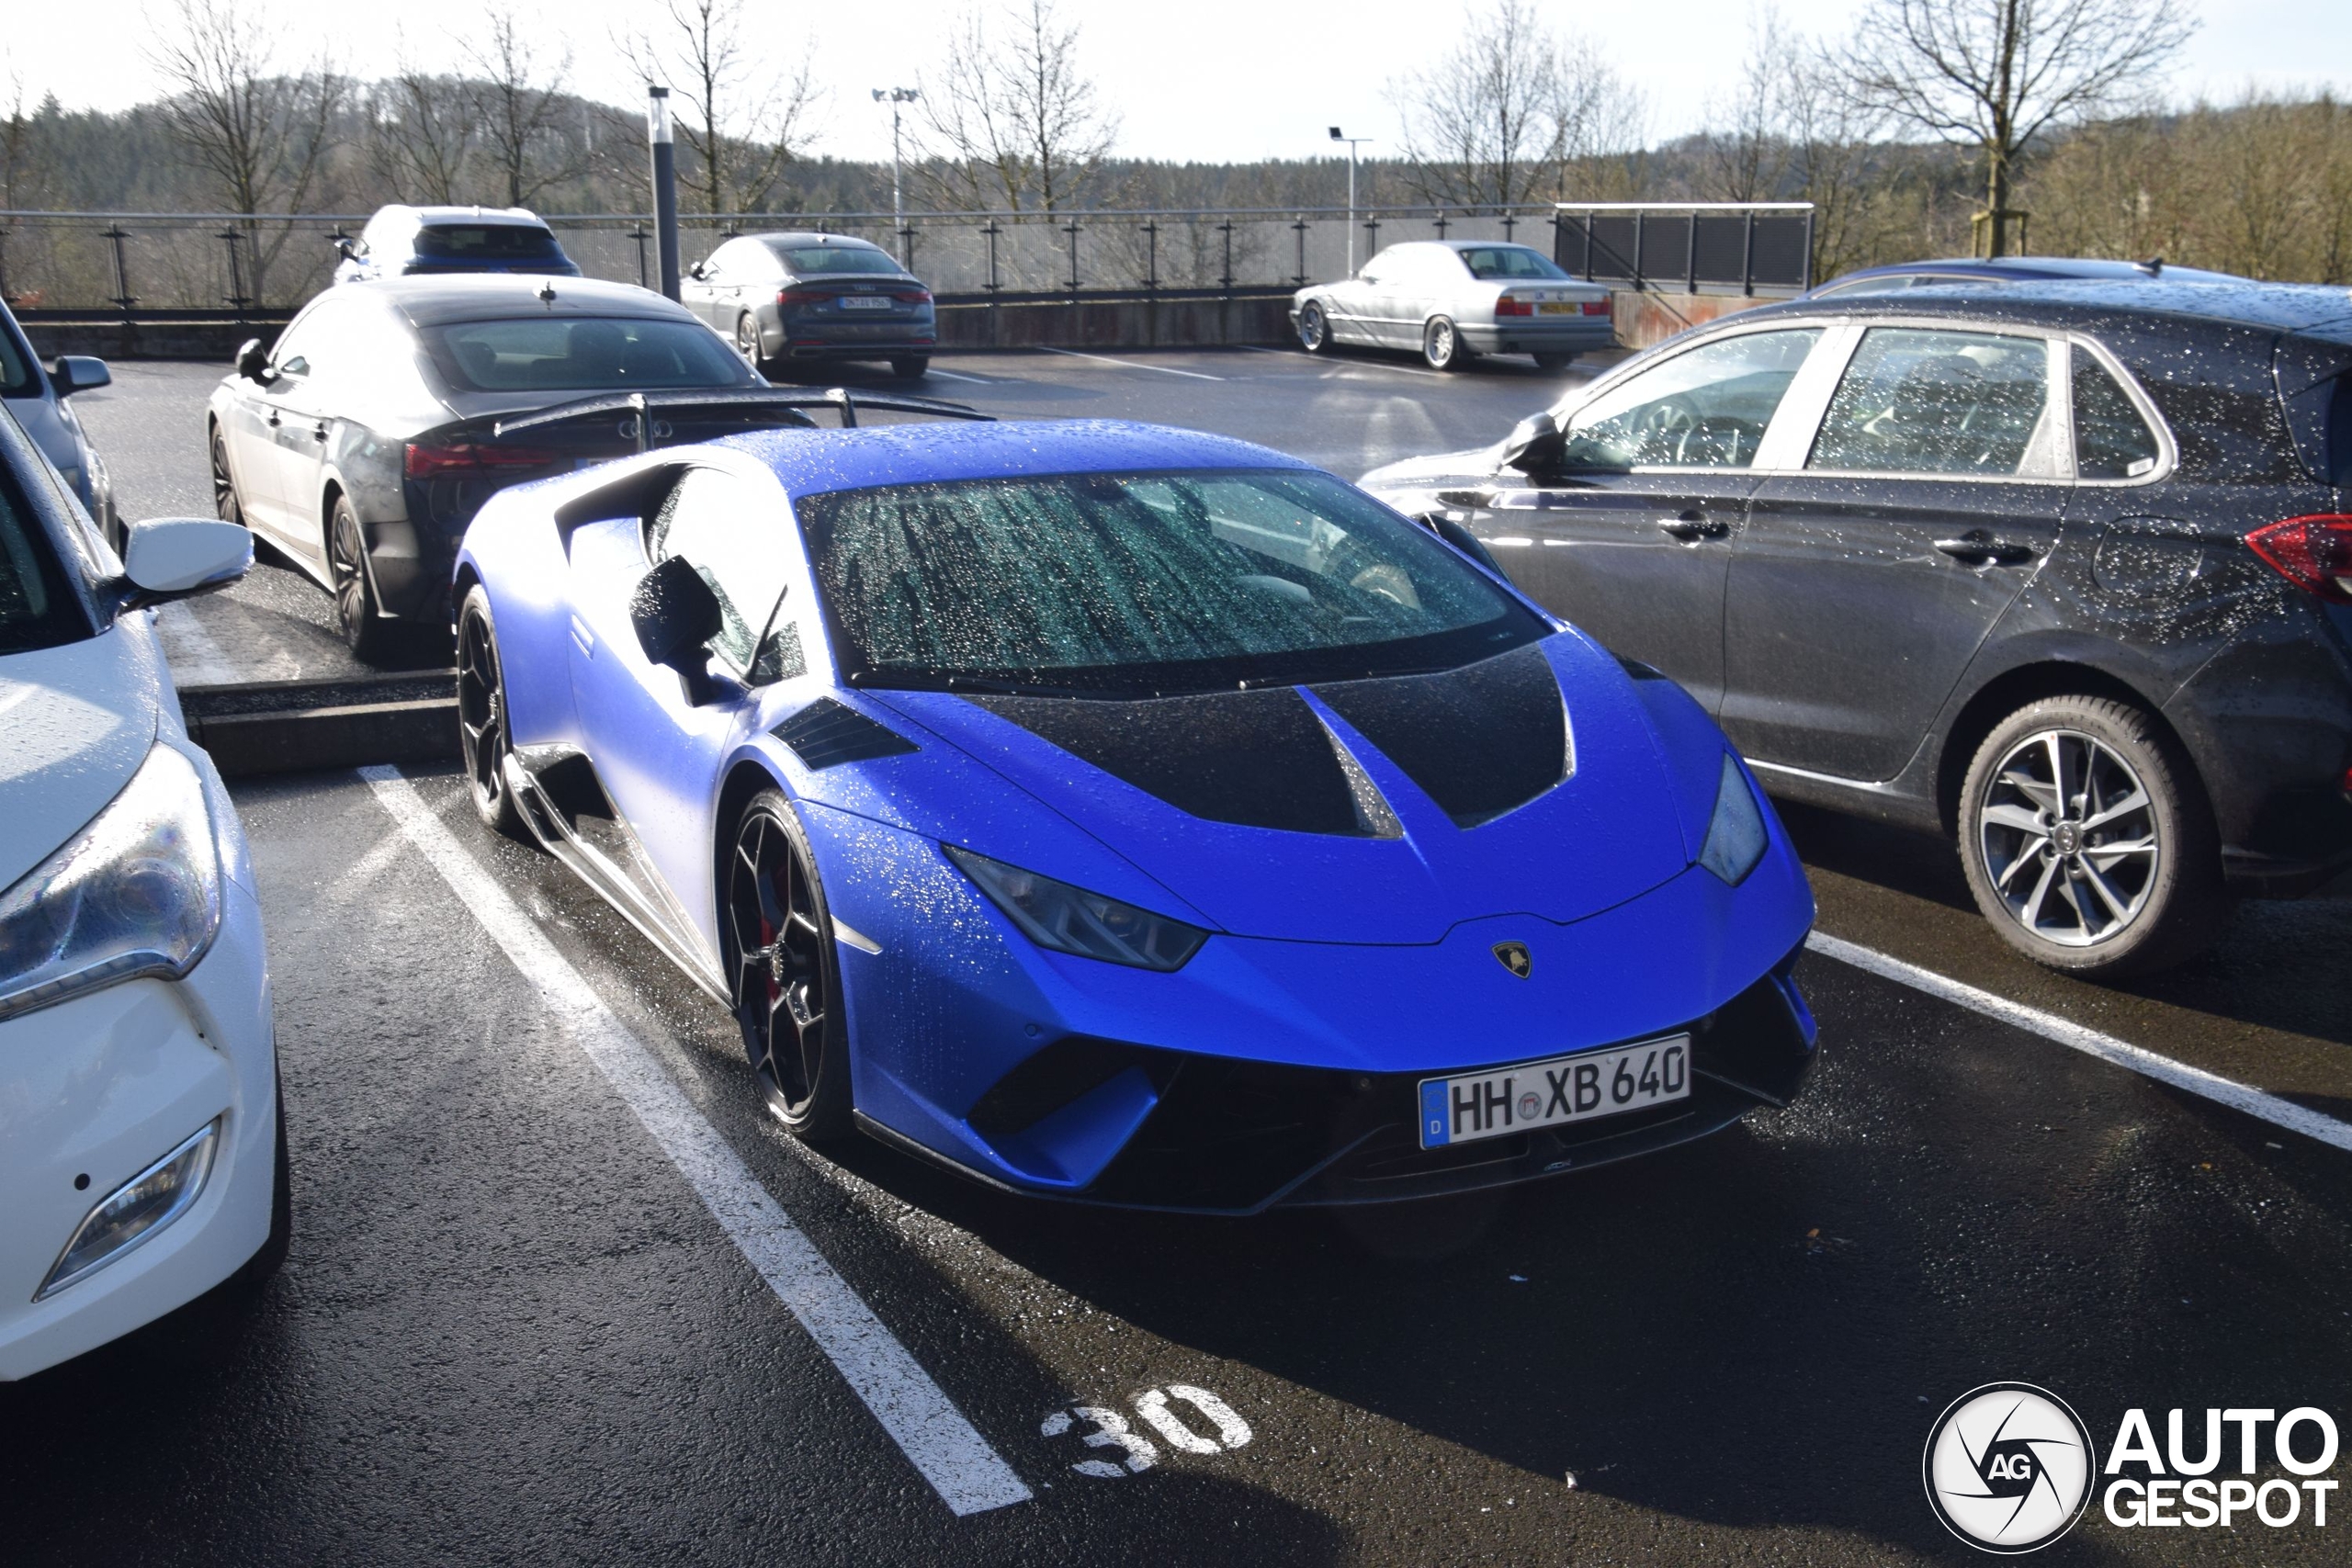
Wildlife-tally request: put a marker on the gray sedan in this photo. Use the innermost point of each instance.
(1452, 299)
(786, 296)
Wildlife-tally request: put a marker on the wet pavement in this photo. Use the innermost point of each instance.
(513, 1330)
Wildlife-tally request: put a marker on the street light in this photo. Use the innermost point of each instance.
(1353, 142)
(894, 96)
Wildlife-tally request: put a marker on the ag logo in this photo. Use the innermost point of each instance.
(2009, 1468)
(1515, 957)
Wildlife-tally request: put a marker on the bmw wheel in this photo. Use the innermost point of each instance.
(482, 736)
(2087, 839)
(1313, 328)
(365, 630)
(785, 971)
(1442, 345)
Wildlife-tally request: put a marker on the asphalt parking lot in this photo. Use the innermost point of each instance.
(560, 1290)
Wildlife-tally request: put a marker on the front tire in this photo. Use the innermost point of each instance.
(1313, 328)
(785, 971)
(1442, 345)
(912, 367)
(365, 630)
(482, 735)
(2089, 841)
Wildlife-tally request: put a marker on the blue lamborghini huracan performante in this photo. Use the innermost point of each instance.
(1130, 815)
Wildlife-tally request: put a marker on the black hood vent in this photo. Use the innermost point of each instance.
(826, 734)
(1480, 741)
(1255, 759)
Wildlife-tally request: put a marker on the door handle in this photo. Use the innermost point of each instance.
(273, 419)
(319, 431)
(1692, 526)
(1978, 547)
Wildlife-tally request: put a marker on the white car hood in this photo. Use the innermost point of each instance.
(75, 722)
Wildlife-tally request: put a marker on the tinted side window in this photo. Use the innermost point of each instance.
(1924, 401)
(35, 607)
(735, 539)
(1705, 409)
(2112, 440)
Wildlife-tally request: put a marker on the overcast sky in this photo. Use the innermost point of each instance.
(1202, 79)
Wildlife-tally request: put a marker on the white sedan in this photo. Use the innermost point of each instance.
(142, 1149)
(1452, 299)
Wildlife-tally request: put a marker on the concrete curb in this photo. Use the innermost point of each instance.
(286, 727)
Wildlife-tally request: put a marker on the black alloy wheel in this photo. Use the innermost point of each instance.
(786, 972)
(747, 341)
(1313, 328)
(225, 504)
(1442, 345)
(482, 735)
(2087, 839)
(365, 631)
(911, 367)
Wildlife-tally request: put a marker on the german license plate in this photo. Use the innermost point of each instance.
(1557, 308)
(861, 302)
(1545, 1094)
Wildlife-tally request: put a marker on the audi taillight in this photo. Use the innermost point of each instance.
(1511, 305)
(912, 296)
(800, 299)
(2313, 553)
(464, 457)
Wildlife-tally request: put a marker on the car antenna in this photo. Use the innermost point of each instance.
(547, 291)
(2152, 266)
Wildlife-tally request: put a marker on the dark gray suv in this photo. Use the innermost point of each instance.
(2063, 569)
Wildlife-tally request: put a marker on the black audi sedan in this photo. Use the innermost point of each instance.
(2061, 568)
(789, 298)
(363, 441)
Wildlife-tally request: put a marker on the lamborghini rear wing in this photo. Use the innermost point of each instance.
(648, 418)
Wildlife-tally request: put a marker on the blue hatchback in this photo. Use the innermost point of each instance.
(1130, 815)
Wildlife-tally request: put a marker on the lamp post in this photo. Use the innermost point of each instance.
(1353, 142)
(665, 185)
(894, 96)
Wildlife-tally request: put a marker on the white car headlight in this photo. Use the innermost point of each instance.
(1071, 920)
(137, 892)
(1736, 836)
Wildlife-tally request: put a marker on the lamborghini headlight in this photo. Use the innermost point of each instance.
(1737, 835)
(137, 892)
(1071, 920)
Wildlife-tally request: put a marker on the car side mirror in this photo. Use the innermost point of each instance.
(696, 272)
(178, 557)
(253, 362)
(675, 615)
(1534, 444)
(344, 246)
(78, 373)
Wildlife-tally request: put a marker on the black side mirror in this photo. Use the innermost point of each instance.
(696, 272)
(253, 362)
(675, 615)
(344, 247)
(1534, 445)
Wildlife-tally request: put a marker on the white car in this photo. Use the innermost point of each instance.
(141, 1155)
(1454, 299)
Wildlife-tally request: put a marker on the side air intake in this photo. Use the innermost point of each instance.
(826, 734)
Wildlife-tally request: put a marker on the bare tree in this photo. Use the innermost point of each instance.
(1011, 119)
(521, 99)
(1509, 114)
(1746, 153)
(743, 118)
(420, 133)
(261, 135)
(1994, 74)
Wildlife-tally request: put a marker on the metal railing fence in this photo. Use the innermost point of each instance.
(1746, 245)
(161, 267)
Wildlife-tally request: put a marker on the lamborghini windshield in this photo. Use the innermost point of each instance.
(1142, 583)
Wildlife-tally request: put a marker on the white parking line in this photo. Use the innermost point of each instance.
(968, 1474)
(954, 375)
(2254, 1102)
(1133, 364)
(196, 659)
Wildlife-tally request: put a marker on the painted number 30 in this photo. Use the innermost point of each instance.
(1109, 1430)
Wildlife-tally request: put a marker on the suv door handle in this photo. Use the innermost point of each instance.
(1978, 547)
(1692, 527)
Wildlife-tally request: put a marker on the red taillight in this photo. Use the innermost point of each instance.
(912, 296)
(1510, 305)
(465, 458)
(2313, 553)
(794, 299)
(1597, 307)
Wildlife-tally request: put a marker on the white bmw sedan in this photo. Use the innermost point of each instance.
(1454, 300)
(141, 1151)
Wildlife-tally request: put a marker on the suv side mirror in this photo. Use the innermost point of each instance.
(253, 362)
(74, 373)
(698, 271)
(1534, 444)
(675, 614)
(178, 557)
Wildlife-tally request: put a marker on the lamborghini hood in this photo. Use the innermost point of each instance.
(1380, 811)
